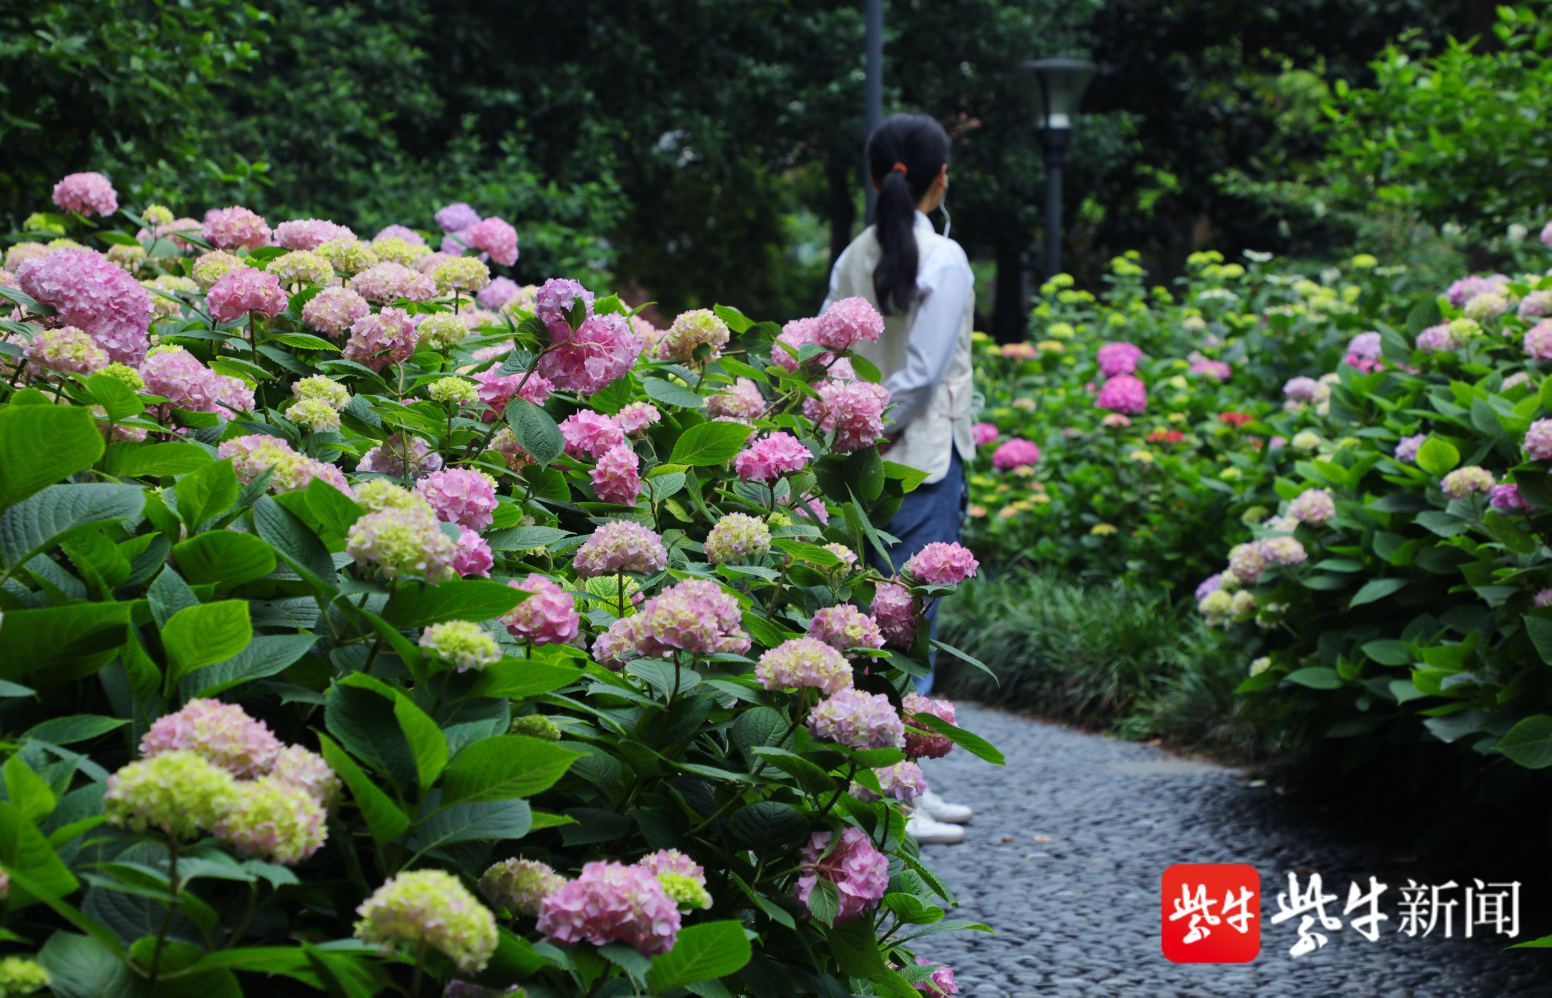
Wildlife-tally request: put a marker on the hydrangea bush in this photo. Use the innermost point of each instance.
(1123, 426)
(370, 624)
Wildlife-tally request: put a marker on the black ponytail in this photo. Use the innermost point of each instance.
(905, 154)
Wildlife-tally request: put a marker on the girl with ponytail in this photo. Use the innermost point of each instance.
(922, 284)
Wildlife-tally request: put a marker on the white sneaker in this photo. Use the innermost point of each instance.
(941, 810)
(928, 832)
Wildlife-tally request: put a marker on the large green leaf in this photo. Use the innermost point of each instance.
(204, 635)
(82, 967)
(128, 460)
(42, 444)
(473, 821)
(504, 768)
(383, 817)
(61, 642)
(426, 740)
(535, 431)
(73, 728)
(205, 493)
(1529, 743)
(23, 848)
(1437, 457)
(297, 546)
(58, 512)
(118, 401)
(709, 443)
(702, 952)
(27, 790)
(416, 604)
(768, 827)
(266, 655)
(515, 678)
(970, 742)
(363, 720)
(224, 558)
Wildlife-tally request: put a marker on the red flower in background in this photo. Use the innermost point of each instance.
(1236, 418)
(1163, 436)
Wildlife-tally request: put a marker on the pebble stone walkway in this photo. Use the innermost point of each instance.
(1064, 860)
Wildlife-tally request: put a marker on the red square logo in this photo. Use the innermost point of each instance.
(1211, 913)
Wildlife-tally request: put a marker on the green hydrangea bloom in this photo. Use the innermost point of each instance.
(126, 374)
(324, 389)
(348, 255)
(454, 391)
(315, 414)
(21, 975)
(462, 273)
(462, 642)
(686, 892)
(442, 330)
(535, 726)
(180, 793)
(396, 250)
(302, 267)
(430, 906)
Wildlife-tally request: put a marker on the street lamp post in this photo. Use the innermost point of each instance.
(1054, 89)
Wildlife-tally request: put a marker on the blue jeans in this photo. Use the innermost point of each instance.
(928, 514)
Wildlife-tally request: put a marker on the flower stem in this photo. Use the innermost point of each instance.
(172, 909)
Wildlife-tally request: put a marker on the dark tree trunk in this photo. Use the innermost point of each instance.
(1010, 313)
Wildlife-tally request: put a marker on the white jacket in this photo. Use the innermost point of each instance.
(924, 356)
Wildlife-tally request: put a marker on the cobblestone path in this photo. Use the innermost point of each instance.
(1068, 846)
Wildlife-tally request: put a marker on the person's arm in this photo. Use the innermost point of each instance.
(946, 283)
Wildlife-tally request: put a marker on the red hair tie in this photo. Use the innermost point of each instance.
(898, 166)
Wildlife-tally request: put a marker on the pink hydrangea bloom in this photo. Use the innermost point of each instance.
(1217, 370)
(386, 282)
(603, 349)
(941, 983)
(735, 537)
(274, 820)
(334, 310)
(496, 390)
(771, 457)
(457, 217)
(847, 322)
(382, 339)
(92, 294)
(548, 617)
(1467, 288)
(1312, 506)
(1406, 447)
(556, 299)
(1117, 358)
(904, 782)
(853, 411)
(307, 771)
(309, 233)
(1283, 551)
(1543, 598)
(402, 455)
(498, 292)
(178, 376)
(1247, 562)
(221, 732)
(1507, 498)
(1538, 340)
(942, 564)
(234, 228)
(590, 434)
(495, 237)
(804, 662)
(617, 476)
(672, 861)
(1538, 440)
(66, 349)
(518, 885)
(928, 746)
(895, 612)
(636, 417)
(86, 194)
(474, 555)
(1366, 346)
(983, 433)
(741, 400)
(621, 546)
(1462, 482)
(461, 496)
(1211, 584)
(844, 627)
(695, 616)
(1015, 452)
(1301, 389)
(403, 542)
(1123, 393)
(1536, 304)
(608, 903)
(797, 334)
(1438, 339)
(244, 292)
(859, 871)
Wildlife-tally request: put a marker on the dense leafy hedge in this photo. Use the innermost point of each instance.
(302, 630)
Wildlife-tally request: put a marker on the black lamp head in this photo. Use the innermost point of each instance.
(1055, 89)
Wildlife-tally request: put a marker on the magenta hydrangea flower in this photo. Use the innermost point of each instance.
(1312, 506)
(1536, 305)
(382, 339)
(741, 400)
(548, 617)
(590, 434)
(804, 662)
(92, 294)
(220, 732)
(941, 983)
(1366, 345)
(496, 390)
(1123, 393)
(474, 555)
(894, 610)
(1467, 288)
(334, 310)
(617, 476)
(1439, 339)
(859, 872)
(235, 228)
(86, 194)
(608, 903)
(853, 411)
(495, 237)
(1014, 453)
(927, 746)
(797, 334)
(386, 282)
(244, 292)
(621, 546)
(1117, 358)
(769, 458)
(457, 217)
(695, 616)
(1538, 440)
(600, 351)
(904, 782)
(1406, 447)
(847, 322)
(310, 233)
(844, 627)
(1507, 498)
(1217, 370)
(735, 537)
(461, 496)
(636, 417)
(402, 455)
(1538, 340)
(1543, 598)
(943, 564)
(66, 349)
(557, 299)
(983, 433)
(498, 292)
(1462, 482)
(178, 376)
